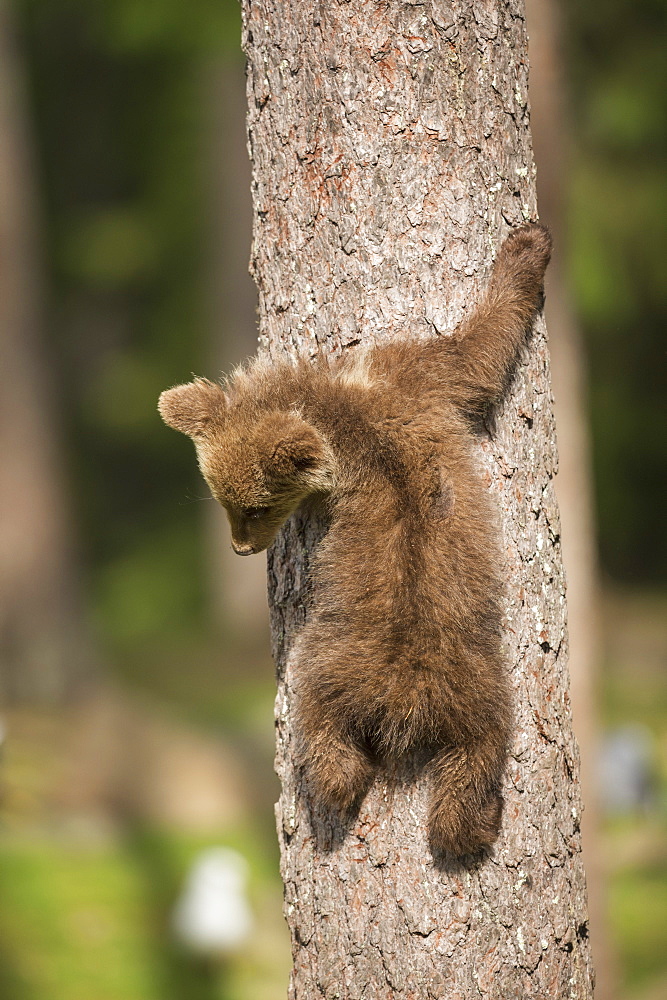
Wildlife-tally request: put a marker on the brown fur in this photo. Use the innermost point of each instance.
(401, 649)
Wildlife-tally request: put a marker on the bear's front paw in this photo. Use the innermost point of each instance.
(528, 248)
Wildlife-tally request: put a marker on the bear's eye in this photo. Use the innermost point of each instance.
(252, 513)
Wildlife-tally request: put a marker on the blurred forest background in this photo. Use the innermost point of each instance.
(137, 689)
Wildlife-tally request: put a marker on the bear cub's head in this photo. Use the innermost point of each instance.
(259, 464)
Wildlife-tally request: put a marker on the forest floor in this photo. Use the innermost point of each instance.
(105, 806)
(634, 690)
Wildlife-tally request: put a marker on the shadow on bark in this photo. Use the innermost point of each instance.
(330, 830)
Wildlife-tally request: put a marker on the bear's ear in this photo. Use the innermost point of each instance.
(194, 408)
(298, 453)
(291, 445)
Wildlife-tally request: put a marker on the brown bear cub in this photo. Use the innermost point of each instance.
(401, 651)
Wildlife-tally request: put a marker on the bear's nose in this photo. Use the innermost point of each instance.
(243, 550)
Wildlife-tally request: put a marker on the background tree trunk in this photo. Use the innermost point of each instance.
(41, 644)
(391, 150)
(574, 483)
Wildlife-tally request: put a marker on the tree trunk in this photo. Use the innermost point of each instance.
(391, 150)
(41, 646)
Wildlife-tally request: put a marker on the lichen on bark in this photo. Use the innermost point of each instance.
(391, 152)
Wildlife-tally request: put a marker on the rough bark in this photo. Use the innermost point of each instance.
(391, 151)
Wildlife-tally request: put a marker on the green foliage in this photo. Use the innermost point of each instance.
(118, 90)
(618, 211)
(638, 906)
(634, 847)
(109, 248)
(151, 584)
